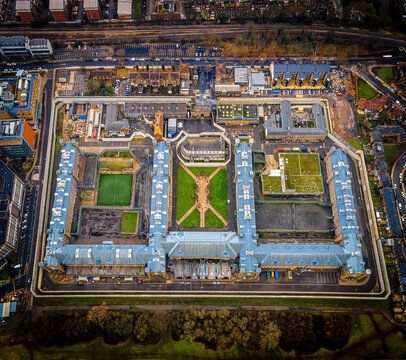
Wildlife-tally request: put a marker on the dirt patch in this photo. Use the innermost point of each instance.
(343, 117)
(271, 164)
(202, 194)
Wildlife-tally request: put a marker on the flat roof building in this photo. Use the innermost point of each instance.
(283, 126)
(125, 9)
(16, 138)
(14, 46)
(12, 192)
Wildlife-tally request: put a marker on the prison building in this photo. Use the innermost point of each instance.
(280, 127)
(20, 98)
(302, 76)
(92, 9)
(204, 149)
(237, 114)
(344, 212)
(246, 222)
(320, 257)
(59, 10)
(159, 210)
(16, 138)
(12, 192)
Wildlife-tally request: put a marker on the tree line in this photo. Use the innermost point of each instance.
(216, 329)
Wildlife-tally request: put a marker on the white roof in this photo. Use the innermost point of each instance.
(258, 79)
(57, 4)
(90, 4)
(23, 5)
(124, 7)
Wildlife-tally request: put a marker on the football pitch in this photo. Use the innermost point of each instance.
(302, 173)
(115, 189)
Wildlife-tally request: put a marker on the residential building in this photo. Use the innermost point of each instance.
(16, 138)
(299, 76)
(27, 10)
(125, 9)
(59, 10)
(12, 192)
(92, 9)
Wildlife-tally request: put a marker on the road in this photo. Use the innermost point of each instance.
(398, 187)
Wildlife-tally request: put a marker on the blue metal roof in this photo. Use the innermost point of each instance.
(346, 211)
(301, 255)
(159, 207)
(60, 205)
(246, 207)
(304, 68)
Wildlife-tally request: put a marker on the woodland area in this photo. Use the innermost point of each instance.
(216, 329)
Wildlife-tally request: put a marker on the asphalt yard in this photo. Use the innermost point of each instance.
(293, 216)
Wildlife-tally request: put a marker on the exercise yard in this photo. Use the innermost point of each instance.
(115, 189)
(302, 173)
(129, 222)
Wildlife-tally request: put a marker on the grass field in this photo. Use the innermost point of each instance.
(302, 174)
(212, 221)
(384, 73)
(218, 193)
(355, 143)
(271, 184)
(185, 193)
(390, 152)
(365, 91)
(193, 220)
(207, 171)
(129, 222)
(115, 189)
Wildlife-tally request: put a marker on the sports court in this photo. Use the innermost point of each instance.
(301, 172)
(115, 189)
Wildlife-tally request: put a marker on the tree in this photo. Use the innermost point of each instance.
(98, 315)
(336, 329)
(297, 332)
(119, 327)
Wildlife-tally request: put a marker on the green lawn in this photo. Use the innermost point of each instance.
(212, 221)
(110, 154)
(218, 193)
(125, 154)
(354, 142)
(390, 151)
(193, 220)
(197, 171)
(384, 73)
(271, 184)
(365, 91)
(115, 189)
(185, 193)
(115, 165)
(303, 172)
(129, 222)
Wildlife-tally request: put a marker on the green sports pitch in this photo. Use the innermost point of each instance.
(115, 189)
(302, 175)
